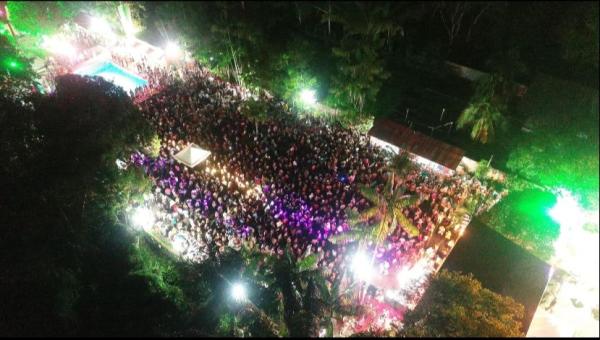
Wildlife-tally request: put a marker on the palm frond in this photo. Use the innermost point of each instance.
(369, 213)
(466, 117)
(349, 236)
(393, 226)
(382, 230)
(369, 193)
(405, 201)
(405, 223)
(321, 284)
(399, 162)
(352, 217)
(307, 263)
(387, 187)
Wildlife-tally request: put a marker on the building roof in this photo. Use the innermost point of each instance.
(501, 266)
(417, 143)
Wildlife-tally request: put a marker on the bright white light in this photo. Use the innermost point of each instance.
(308, 97)
(416, 274)
(143, 218)
(393, 295)
(172, 50)
(566, 211)
(180, 243)
(128, 27)
(361, 267)
(59, 46)
(99, 25)
(322, 333)
(593, 217)
(403, 277)
(238, 292)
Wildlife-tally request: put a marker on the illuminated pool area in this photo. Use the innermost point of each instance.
(111, 72)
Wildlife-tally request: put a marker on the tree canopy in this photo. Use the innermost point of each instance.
(456, 305)
(561, 151)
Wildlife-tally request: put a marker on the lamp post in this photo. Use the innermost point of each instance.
(239, 295)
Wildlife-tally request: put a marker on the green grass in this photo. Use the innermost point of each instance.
(523, 218)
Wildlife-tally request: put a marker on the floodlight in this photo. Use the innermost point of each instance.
(361, 267)
(392, 294)
(308, 97)
(143, 218)
(172, 50)
(59, 46)
(100, 25)
(566, 211)
(238, 292)
(414, 275)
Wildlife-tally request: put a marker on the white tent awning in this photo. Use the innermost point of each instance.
(192, 155)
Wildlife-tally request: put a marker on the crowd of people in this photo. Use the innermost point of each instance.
(280, 184)
(308, 173)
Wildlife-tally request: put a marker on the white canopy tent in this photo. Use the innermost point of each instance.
(192, 155)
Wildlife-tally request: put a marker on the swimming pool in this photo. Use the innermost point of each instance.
(111, 72)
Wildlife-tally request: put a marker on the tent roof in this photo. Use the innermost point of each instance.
(192, 155)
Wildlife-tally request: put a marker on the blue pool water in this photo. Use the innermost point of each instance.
(111, 72)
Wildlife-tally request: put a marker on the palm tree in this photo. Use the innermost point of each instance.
(386, 210)
(307, 300)
(485, 119)
(485, 112)
(399, 165)
(377, 222)
(366, 31)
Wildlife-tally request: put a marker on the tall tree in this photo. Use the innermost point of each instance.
(456, 305)
(68, 262)
(366, 30)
